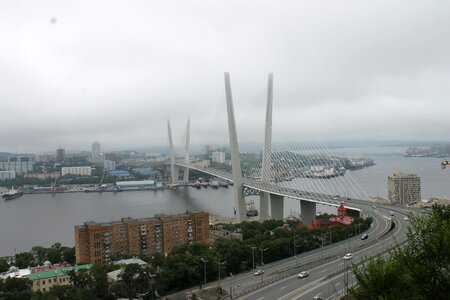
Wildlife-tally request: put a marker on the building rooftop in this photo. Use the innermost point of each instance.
(56, 273)
(129, 261)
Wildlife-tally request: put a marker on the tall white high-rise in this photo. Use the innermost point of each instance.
(96, 149)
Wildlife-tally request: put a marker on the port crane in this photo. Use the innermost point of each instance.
(444, 164)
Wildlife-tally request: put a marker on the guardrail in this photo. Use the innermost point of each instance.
(291, 270)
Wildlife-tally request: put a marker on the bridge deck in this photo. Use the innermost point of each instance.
(270, 188)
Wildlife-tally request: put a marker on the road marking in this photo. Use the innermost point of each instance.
(341, 264)
(283, 287)
(324, 270)
(337, 284)
(261, 298)
(357, 257)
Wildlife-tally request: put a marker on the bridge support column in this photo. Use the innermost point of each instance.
(241, 213)
(264, 206)
(187, 158)
(173, 167)
(308, 209)
(276, 206)
(267, 153)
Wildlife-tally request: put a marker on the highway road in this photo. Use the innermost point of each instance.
(327, 279)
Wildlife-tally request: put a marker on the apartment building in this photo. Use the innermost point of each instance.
(97, 242)
(83, 171)
(403, 188)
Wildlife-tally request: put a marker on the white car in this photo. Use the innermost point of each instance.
(303, 274)
(259, 272)
(405, 219)
(348, 256)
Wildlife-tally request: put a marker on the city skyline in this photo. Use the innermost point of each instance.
(77, 73)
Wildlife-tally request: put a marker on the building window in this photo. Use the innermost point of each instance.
(43, 281)
(43, 290)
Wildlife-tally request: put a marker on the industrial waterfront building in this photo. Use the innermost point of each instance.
(97, 242)
(403, 188)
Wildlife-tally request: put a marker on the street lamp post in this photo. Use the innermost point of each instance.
(231, 285)
(330, 236)
(262, 262)
(220, 264)
(295, 248)
(253, 256)
(204, 270)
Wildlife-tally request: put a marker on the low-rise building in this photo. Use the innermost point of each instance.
(219, 232)
(14, 272)
(44, 281)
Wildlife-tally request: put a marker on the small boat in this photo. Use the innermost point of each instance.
(214, 184)
(223, 184)
(12, 194)
(251, 209)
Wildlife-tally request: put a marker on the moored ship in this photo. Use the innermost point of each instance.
(12, 194)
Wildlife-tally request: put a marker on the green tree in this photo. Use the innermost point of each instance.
(24, 260)
(15, 289)
(4, 266)
(129, 277)
(80, 278)
(54, 255)
(68, 255)
(418, 270)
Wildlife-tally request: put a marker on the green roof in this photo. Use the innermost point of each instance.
(57, 272)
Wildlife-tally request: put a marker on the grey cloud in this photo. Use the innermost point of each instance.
(115, 72)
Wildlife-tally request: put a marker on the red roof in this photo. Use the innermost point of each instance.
(346, 220)
(341, 208)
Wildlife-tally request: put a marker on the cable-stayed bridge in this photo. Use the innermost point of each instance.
(317, 175)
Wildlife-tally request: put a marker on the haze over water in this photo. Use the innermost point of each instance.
(44, 219)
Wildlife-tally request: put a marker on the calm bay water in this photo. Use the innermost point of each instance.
(45, 219)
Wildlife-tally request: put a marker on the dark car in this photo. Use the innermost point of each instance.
(365, 236)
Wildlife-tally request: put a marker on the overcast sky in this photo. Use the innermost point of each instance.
(72, 72)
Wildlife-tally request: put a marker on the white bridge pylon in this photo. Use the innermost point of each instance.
(270, 194)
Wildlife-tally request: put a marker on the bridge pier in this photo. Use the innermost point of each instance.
(264, 206)
(308, 209)
(187, 158)
(276, 206)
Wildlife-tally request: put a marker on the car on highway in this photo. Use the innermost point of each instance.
(374, 207)
(317, 298)
(405, 219)
(303, 274)
(391, 213)
(259, 272)
(348, 256)
(365, 236)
